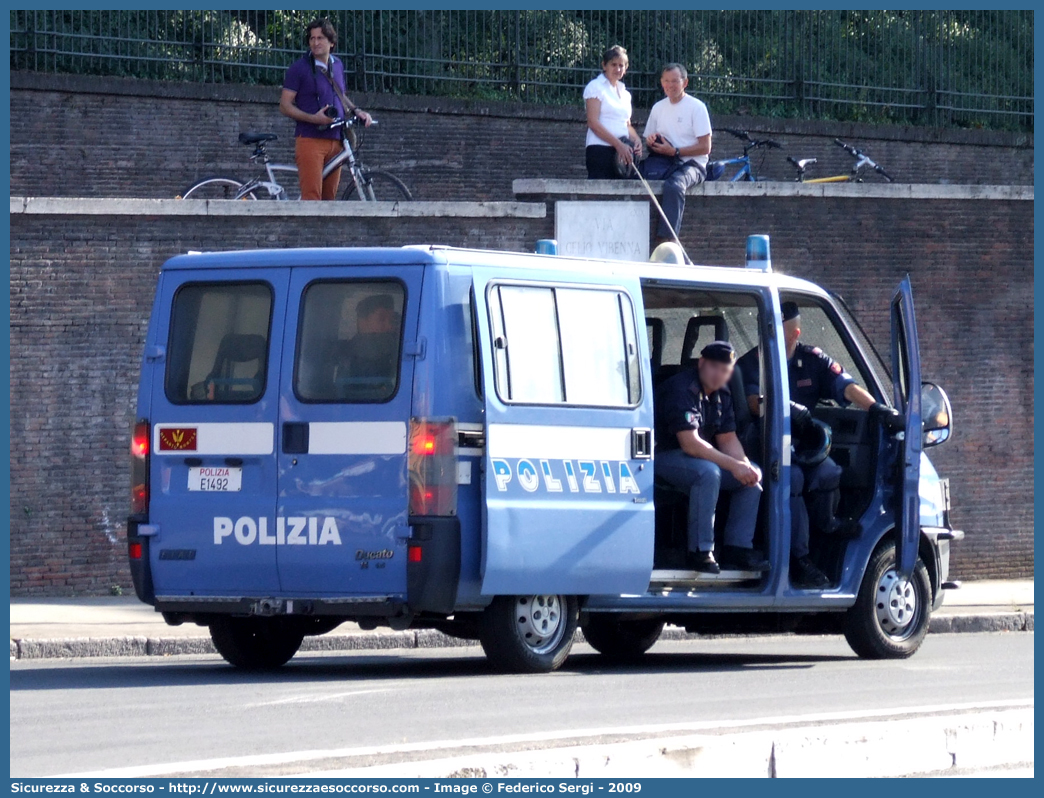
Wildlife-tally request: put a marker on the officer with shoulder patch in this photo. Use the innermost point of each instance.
(699, 453)
(813, 376)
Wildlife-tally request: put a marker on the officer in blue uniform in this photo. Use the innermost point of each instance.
(698, 452)
(813, 376)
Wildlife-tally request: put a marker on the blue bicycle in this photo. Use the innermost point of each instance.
(716, 169)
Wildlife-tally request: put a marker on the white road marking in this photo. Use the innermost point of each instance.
(315, 699)
(260, 760)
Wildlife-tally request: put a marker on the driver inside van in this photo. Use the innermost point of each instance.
(698, 452)
(373, 350)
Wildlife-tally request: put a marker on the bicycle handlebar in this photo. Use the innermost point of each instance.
(342, 121)
(883, 173)
(744, 136)
(863, 159)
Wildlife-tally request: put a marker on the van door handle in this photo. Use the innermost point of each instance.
(295, 437)
(641, 443)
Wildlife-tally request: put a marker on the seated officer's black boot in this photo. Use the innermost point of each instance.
(845, 528)
(703, 562)
(734, 558)
(805, 575)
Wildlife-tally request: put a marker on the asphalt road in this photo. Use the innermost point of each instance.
(77, 716)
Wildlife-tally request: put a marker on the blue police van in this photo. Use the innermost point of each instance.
(462, 440)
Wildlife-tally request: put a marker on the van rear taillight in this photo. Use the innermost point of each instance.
(433, 466)
(140, 468)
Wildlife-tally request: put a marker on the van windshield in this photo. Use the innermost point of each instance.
(349, 342)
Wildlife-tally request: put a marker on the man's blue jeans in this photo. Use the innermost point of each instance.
(674, 188)
(703, 481)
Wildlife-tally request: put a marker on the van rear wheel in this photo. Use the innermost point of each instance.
(891, 615)
(255, 643)
(528, 634)
(621, 639)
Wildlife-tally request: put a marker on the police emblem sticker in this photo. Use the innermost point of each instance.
(835, 367)
(690, 417)
(177, 439)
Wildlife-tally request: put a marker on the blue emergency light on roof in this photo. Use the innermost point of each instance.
(758, 253)
(547, 246)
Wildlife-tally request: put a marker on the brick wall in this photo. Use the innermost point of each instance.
(82, 286)
(113, 137)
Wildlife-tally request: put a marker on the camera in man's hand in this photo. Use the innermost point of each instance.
(331, 112)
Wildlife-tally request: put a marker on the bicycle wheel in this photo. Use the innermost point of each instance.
(216, 188)
(386, 187)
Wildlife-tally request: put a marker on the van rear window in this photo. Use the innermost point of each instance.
(218, 346)
(349, 341)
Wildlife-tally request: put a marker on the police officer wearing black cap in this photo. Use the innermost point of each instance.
(697, 451)
(813, 376)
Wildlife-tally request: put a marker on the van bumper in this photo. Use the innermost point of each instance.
(200, 609)
(433, 564)
(939, 539)
(141, 572)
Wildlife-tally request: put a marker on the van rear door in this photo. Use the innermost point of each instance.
(213, 415)
(568, 471)
(906, 378)
(343, 423)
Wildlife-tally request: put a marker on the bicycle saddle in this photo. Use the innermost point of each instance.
(802, 163)
(254, 138)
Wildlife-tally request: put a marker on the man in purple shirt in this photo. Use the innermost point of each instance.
(313, 84)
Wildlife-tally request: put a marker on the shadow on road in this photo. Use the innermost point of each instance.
(310, 668)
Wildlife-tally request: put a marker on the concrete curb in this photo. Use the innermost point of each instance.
(80, 647)
(986, 622)
(902, 746)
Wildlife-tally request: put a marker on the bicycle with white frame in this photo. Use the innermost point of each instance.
(367, 185)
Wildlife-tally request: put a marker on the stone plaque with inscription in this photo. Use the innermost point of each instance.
(610, 230)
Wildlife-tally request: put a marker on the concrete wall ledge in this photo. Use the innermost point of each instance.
(555, 189)
(75, 206)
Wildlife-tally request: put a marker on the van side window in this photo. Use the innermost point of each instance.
(560, 345)
(349, 342)
(218, 346)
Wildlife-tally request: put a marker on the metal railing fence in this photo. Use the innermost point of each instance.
(965, 68)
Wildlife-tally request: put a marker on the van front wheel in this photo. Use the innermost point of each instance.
(621, 639)
(891, 615)
(528, 634)
(255, 643)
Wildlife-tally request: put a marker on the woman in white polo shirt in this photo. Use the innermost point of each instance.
(609, 118)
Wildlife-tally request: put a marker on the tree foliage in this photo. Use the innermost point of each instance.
(933, 67)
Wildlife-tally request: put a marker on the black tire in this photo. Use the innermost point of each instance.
(256, 644)
(216, 187)
(528, 634)
(619, 639)
(386, 187)
(890, 618)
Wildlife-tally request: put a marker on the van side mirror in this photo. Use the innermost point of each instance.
(936, 413)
